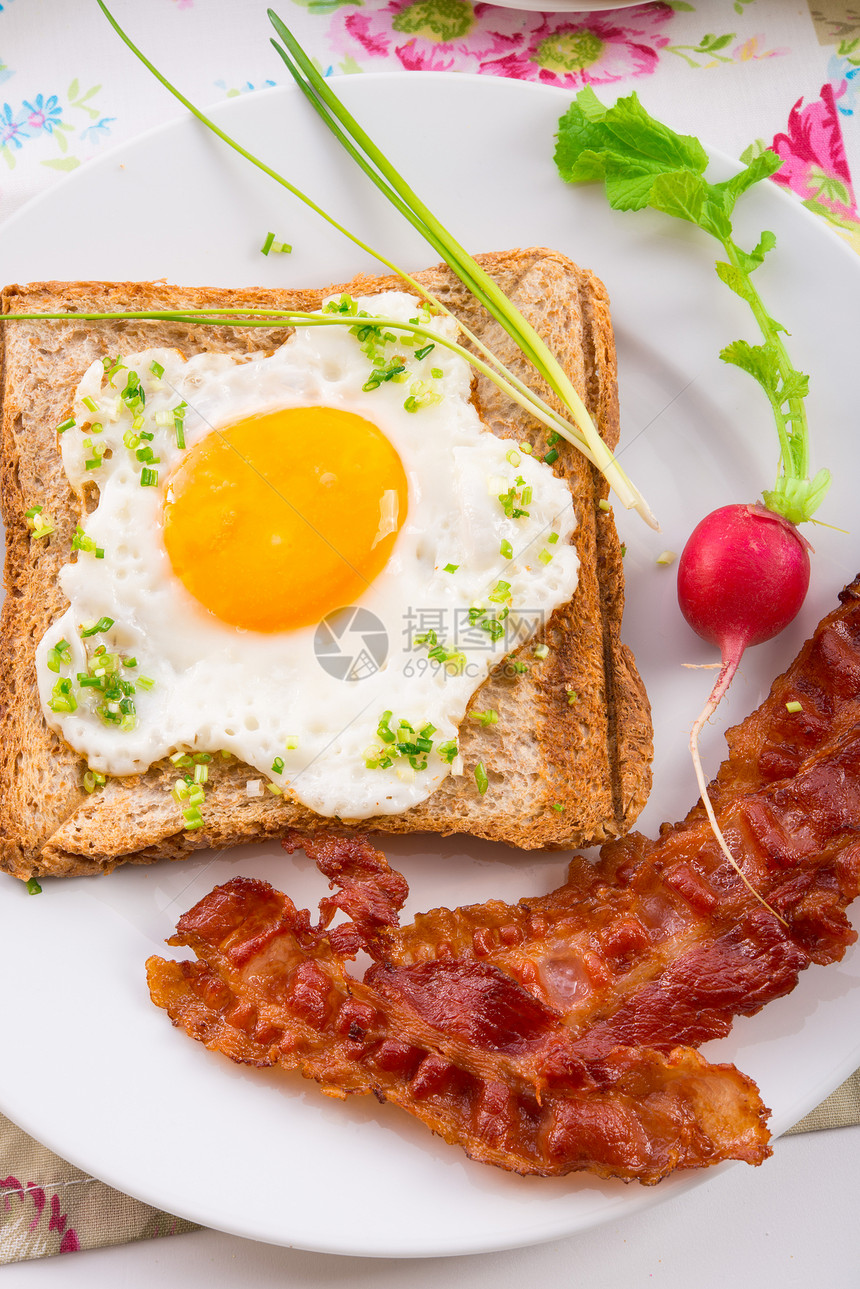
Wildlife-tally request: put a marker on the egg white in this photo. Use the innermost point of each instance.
(266, 696)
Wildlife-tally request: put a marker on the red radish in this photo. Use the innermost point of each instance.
(742, 577)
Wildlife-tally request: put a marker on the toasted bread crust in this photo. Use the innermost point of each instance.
(591, 757)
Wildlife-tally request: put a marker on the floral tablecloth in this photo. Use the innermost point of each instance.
(737, 72)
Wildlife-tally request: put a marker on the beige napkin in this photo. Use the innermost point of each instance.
(839, 1110)
(48, 1206)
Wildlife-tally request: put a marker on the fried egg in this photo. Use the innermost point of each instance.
(308, 559)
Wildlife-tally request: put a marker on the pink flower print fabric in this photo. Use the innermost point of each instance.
(556, 49)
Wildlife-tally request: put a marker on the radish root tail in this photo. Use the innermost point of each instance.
(727, 672)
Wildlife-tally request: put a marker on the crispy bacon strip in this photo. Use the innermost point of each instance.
(462, 1047)
(558, 1033)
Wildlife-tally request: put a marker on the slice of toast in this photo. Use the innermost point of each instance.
(561, 773)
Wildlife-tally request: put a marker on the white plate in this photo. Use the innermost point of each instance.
(89, 1066)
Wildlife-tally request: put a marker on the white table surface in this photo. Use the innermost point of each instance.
(792, 1222)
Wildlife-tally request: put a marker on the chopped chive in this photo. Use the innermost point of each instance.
(68, 424)
(437, 373)
(40, 524)
(33, 887)
(156, 369)
(552, 539)
(493, 626)
(145, 682)
(291, 742)
(62, 699)
(527, 448)
(540, 650)
(545, 557)
(179, 424)
(572, 696)
(513, 457)
(552, 438)
(90, 404)
(506, 549)
(603, 504)
(794, 706)
(428, 349)
(59, 655)
(557, 805)
(489, 717)
(450, 568)
(481, 778)
(193, 818)
(148, 478)
(665, 558)
(134, 395)
(96, 628)
(551, 456)
(278, 765)
(270, 244)
(382, 729)
(111, 367)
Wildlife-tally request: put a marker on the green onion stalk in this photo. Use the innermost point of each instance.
(274, 318)
(579, 430)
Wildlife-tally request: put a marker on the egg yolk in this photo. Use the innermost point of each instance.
(279, 519)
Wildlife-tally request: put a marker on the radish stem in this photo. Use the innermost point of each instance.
(725, 678)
